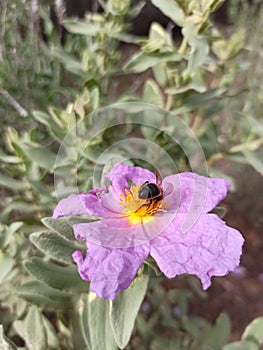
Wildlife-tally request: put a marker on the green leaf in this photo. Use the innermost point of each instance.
(57, 132)
(152, 93)
(100, 332)
(6, 264)
(10, 183)
(72, 65)
(84, 319)
(196, 100)
(54, 245)
(80, 337)
(5, 343)
(44, 296)
(41, 156)
(82, 27)
(63, 278)
(217, 336)
(241, 345)
(125, 308)
(171, 9)
(142, 61)
(52, 339)
(254, 331)
(35, 334)
(63, 226)
(200, 48)
(6, 233)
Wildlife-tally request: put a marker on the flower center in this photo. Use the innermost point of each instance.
(139, 210)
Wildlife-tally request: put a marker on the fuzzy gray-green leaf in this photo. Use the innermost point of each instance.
(125, 308)
(64, 278)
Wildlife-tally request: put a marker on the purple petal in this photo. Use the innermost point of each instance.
(194, 194)
(110, 270)
(72, 205)
(120, 233)
(120, 173)
(209, 248)
(77, 204)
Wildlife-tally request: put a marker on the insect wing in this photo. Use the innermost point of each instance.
(168, 190)
(158, 178)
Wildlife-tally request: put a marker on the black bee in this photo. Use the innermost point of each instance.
(153, 193)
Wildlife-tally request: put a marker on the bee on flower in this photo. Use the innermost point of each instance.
(140, 216)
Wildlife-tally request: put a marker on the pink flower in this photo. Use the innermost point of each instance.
(175, 228)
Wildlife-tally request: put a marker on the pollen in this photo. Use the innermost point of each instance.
(138, 210)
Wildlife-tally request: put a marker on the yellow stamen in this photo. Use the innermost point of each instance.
(138, 210)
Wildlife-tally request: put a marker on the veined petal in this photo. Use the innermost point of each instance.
(209, 248)
(110, 270)
(72, 205)
(77, 204)
(121, 233)
(195, 193)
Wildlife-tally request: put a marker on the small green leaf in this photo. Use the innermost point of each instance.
(200, 48)
(6, 233)
(171, 9)
(82, 27)
(84, 318)
(152, 93)
(35, 334)
(52, 338)
(41, 156)
(142, 61)
(6, 264)
(241, 345)
(125, 308)
(217, 336)
(195, 100)
(10, 183)
(59, 277)
(63, 226)
(101, 335)
(54, 245)
(44, 296)
(5, 343)
(254, 331)
(72, 65)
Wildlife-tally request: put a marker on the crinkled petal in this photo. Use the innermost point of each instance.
(77, 204)
(110, 270)
(120, 233)
(121, 172)
(72, 205)
(209, 248)
(193, 194)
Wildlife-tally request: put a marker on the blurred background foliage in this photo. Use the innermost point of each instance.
(55, 70)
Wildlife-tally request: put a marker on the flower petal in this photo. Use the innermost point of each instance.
(77, 204)
(72, 205)
(110, 270)
(121, 172)
(209, 248)
(120, 233)
(194, 194)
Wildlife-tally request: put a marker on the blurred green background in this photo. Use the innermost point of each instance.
(60, 62)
